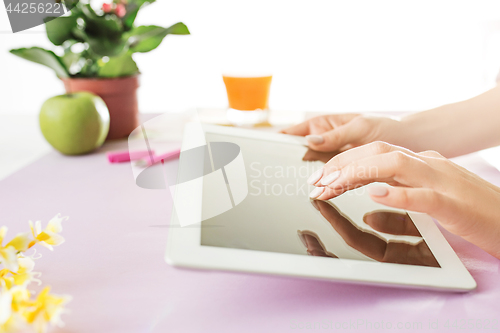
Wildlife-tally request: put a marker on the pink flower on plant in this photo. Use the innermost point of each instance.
(107, 7)
(120, 10)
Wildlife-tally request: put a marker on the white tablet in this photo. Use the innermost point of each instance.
(242, 204)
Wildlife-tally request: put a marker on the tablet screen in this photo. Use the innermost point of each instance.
(278, 216)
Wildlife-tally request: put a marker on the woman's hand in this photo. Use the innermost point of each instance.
(426, 182)
(343, 131)
(453, 129)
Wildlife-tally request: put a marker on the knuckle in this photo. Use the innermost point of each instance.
(399, 159)
(404, 200)
(380, 147)
(433, 200)
(432, 153)
(361, 122)
(333, 137)
(448, 162)
(428, 201)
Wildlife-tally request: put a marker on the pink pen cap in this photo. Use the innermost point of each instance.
(126, 156)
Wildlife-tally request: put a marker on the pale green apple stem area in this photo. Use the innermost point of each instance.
(75, 124)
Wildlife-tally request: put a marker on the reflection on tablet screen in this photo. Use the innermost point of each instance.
(278, 216)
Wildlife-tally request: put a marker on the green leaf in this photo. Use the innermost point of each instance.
(178, 29)
(89, 69)
(123, 65)
(43, 57)
(74, 61)
(108, 26)
(107, 47)
(101, 45)
(132, 10)
(102, 33)
(59, 28)
(147, 38)
(70, 4)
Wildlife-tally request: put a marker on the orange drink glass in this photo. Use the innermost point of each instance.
(248, 98)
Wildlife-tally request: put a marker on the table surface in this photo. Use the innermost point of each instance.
(112, 263)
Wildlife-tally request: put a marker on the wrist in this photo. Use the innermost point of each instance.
(419, 131)
(399, 131)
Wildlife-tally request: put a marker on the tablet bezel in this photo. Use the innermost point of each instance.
(184, 247)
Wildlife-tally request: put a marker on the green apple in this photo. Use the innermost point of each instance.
(75, 123)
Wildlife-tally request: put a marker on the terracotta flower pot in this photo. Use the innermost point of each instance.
(120, 96)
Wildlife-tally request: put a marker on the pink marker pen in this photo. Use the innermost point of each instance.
(126, 156)
(157, 158)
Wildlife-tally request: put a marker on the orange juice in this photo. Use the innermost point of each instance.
(247, 93)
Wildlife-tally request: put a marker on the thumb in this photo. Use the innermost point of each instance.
(422, 200)
(335, 139)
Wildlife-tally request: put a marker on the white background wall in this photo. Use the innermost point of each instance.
(325, 55)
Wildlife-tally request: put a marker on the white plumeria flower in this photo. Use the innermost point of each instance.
(8, 253)
(46, 309)
(25, 274)
(49, 236)
(19, 311)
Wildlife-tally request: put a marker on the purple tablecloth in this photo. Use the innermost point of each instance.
(112, 264)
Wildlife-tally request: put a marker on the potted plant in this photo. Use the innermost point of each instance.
(94, 53)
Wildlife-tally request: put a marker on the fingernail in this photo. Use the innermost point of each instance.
(316, 192)
(378, 191)
(313, 179)
(301, 237)
(328, 179)
(315, 139)
(315, 204)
